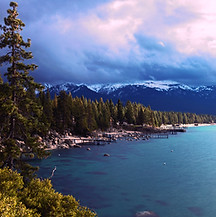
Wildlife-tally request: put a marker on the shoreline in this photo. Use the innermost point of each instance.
(186, 125)
(55, 140)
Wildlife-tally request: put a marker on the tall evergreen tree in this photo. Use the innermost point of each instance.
(129, 113)
(147, 115)
(120, 112)
(159, 117)
(45, 101)
(21, 109)
(92, 125)
(180, 118)
(113, 112)
(80, 116)
(141, 116)
(64, 111)
(104, 115)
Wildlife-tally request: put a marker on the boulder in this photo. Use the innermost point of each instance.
(106, 155)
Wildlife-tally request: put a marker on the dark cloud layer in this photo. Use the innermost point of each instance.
(108, 41)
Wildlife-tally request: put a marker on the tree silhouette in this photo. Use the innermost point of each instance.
(19, 108)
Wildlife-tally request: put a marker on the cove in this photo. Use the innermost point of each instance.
(174, 177)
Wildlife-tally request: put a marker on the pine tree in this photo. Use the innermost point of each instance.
(129, 113)
(45, 101)
(165, 119)
(120, 112)
(113, 112)
(147, 115)
(141, 116)
(64, 111)
(159, 118)
(80, 116)
(180, 118)
(47, 108)
(92, 125)
(104, 115)
(21, 110)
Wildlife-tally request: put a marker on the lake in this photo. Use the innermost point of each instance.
(174, 177)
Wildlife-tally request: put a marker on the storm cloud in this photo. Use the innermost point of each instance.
(108, 41)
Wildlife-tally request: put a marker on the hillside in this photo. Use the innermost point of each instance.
(164, 96)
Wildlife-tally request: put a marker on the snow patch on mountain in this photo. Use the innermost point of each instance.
(76, 90)
(158, 85)
(95, 87)
(203, 88)
(185, 87)
(108, 88)
(47, 86)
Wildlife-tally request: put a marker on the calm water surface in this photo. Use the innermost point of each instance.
(134, 177)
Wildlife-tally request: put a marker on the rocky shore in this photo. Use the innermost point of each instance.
(55, 140)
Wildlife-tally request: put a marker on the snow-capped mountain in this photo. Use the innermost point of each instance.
(160, 95)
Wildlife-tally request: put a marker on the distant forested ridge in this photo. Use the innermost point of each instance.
(160, 95)
(82, 116)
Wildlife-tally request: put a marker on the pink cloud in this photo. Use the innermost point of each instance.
(110, 29)
(193, 33)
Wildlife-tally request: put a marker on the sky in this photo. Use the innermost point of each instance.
(120, 41)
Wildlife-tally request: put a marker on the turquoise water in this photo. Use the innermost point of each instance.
(134, 177)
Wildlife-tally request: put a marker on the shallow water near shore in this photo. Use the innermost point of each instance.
(174, 177)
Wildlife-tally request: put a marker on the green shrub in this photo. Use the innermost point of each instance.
(37, 198)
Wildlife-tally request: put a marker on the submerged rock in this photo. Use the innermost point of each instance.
(106, 155)
(146, 214)
(198, 211)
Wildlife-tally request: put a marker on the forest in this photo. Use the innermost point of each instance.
(82, 116)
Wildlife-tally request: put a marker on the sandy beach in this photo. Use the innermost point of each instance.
(185, 125)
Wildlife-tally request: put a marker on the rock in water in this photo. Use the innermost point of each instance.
(106, 155)
(146, 214)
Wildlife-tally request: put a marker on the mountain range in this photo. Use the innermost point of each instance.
(160, 95)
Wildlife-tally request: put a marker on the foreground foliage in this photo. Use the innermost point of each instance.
(37, 198)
